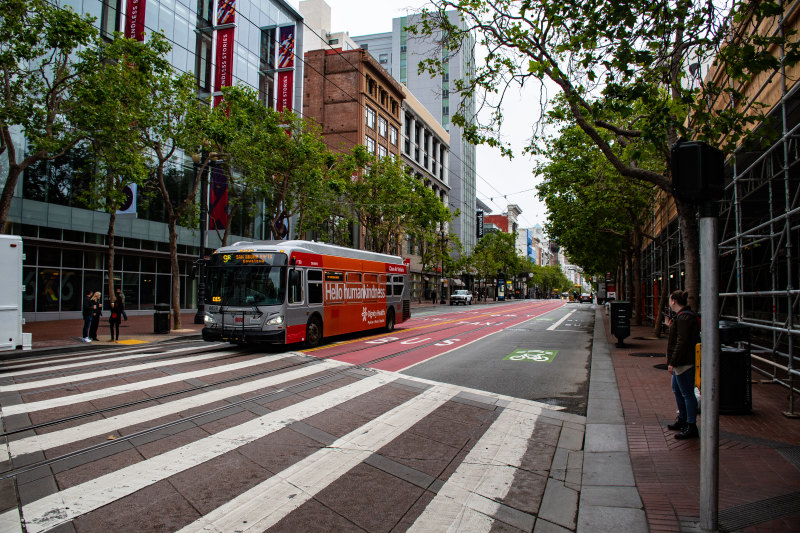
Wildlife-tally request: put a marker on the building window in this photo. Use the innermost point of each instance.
(369, 142)
(266, 78)
(446, 110)
(393, 135)
(383, 125)
(382, 152)
(333, 41)
(109, 19)
(383, 59)
(202, 65)
(370, 117)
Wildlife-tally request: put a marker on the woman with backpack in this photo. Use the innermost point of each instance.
(684, 334)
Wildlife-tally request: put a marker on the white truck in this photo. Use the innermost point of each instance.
(11, 321)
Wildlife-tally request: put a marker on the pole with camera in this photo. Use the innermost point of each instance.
(197, 160)
(697, 177)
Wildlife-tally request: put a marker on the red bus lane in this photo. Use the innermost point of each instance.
(433, 336)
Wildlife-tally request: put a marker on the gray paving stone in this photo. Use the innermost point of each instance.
(571, 438)
(607, 469)
(604, 411)
(543, 526)
(559, 504)
(606, 438)
(611, 497)
(603, 390)
(596, 519)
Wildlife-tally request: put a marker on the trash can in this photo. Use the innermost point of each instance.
(161, 318)
(621, 312)
(735, 374)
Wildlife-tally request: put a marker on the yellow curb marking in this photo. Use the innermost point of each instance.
(132, 341)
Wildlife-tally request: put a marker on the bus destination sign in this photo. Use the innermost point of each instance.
(253, 258)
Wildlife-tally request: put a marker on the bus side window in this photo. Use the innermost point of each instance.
(314, 286)
(295, 286)
(398, 285)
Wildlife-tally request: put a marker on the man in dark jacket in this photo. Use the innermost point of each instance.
(684, 334)
(88, 312)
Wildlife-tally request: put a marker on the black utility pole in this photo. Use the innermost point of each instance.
(444, 248)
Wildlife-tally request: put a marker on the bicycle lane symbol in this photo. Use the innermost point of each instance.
(539, 356)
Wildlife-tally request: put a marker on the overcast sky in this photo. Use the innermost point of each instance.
(500, 182)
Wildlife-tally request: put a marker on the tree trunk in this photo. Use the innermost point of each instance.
(176, 279)
(8, 192)
(110, 256)
(637, 287)
(691, 248)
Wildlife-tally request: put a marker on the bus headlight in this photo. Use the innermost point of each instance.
(209, 320)
(275, 321)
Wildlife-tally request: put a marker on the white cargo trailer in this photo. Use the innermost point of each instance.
(11, 255)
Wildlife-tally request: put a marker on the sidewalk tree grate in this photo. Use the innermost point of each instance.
(661, 366)
(646, 338)
(647, 354)
(792, 455)
(750, 514)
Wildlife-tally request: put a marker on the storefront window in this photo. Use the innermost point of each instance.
(49, 283)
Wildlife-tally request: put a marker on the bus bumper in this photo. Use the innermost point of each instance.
(239, 336)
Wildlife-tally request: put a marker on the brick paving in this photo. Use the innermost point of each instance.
(753, 449)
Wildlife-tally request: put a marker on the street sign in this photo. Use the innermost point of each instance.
(539, 356)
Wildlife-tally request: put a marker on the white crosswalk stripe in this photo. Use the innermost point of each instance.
(66, 505)
(135, 386)
(105, 426)
(264, 505)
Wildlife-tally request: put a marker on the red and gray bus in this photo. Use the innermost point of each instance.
(285, 292)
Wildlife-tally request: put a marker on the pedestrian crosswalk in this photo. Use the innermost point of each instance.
(280, 436)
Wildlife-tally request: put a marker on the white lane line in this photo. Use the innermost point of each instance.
(468, 500)
(45, 441)
(561, 321)
(89, 360)
(66, 505)
(86, 376)
(135, 386)
(266, 504)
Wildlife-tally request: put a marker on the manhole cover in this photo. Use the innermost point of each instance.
(647, 354)
(661, 366)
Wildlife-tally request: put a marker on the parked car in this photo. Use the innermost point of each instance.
(461, 297)
(586, 297)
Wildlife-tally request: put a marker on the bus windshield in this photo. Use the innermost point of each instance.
(241, 286)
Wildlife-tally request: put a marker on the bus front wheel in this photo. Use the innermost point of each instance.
(390, 321)
(313, 333)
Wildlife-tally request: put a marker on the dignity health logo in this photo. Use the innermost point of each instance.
(369, 316)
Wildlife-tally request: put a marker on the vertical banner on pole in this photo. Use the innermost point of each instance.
(286, 61)
(134, 19)
(226, 11)
(218, 199)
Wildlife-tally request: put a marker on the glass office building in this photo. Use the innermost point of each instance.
(222, 42)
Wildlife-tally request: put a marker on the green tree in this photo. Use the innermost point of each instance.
(112, 99)
(38, 41)
(623, 68)
(593, 212)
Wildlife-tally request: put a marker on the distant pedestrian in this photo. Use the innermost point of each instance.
(121, 298)
(684, 334)
(433, 296)
(117, 308)
(88, 312)
(96, 314)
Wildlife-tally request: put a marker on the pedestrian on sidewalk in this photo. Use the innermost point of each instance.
(684, 334)
(117, 308)
(88, 313)
(97, 312)
(121, 298)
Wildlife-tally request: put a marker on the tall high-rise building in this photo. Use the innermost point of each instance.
(400, 52)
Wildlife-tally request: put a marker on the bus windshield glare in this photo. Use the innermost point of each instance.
(246, 279)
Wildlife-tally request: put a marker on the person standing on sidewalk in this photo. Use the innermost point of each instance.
(121, 298)
(684, 334)
(88, 312)
(96, 314)
(117, 311)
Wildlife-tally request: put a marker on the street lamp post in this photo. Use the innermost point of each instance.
(444, 241)
(199, 318)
